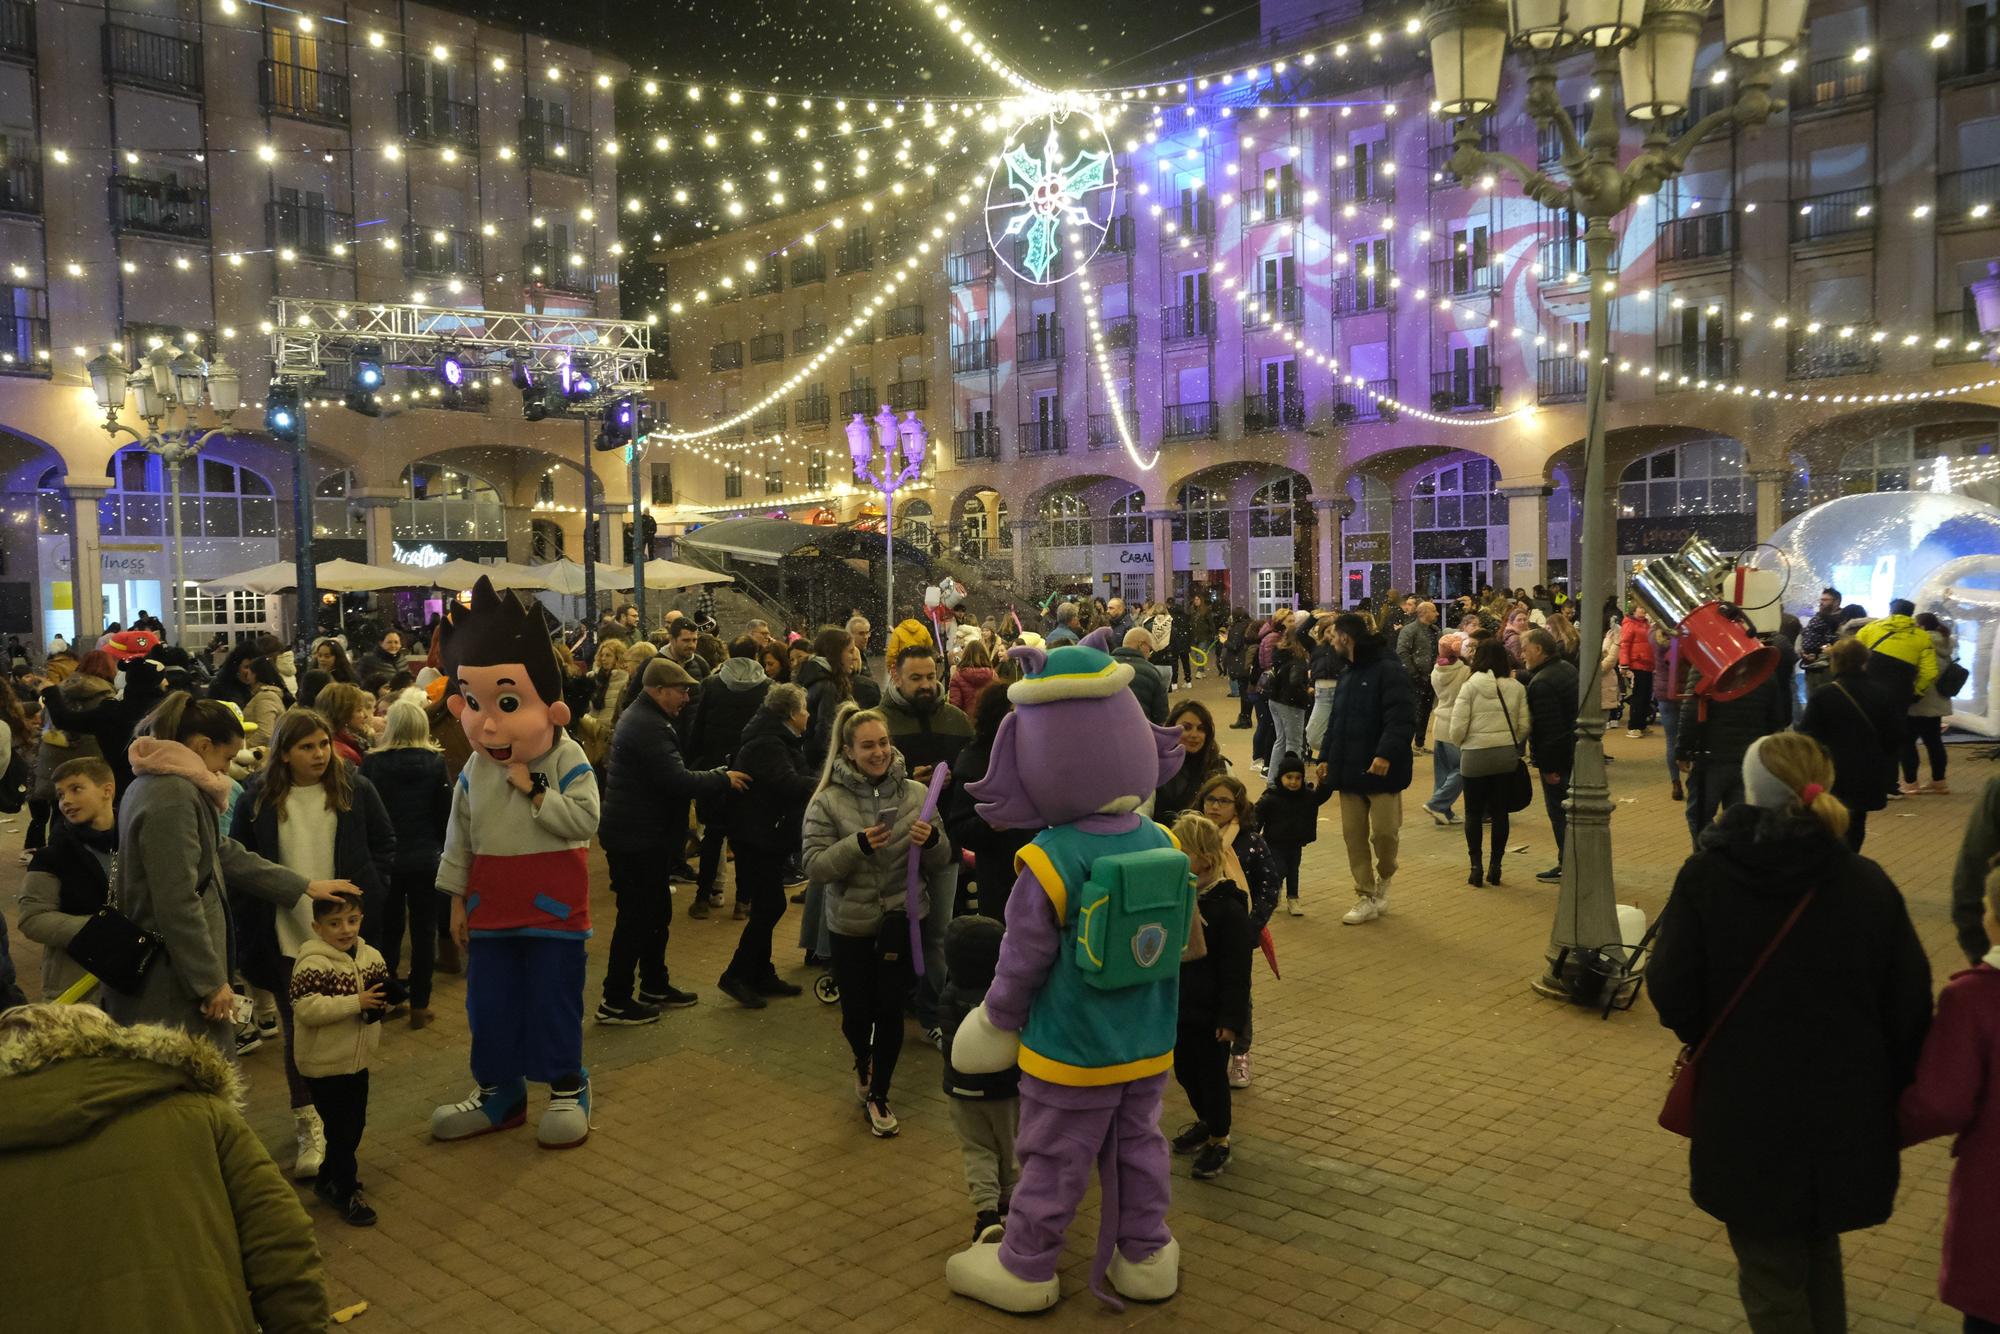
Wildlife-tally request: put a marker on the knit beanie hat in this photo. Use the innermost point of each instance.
(1762, 788)
(1290, 764)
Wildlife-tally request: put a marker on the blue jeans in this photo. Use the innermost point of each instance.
(1322, 710)
(1266, 731)
(1670, 720)
(1448, 782)
(1288, 722)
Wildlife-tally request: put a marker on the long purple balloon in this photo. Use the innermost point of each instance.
(940, 775)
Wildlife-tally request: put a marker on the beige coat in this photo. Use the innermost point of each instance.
(330, 1037)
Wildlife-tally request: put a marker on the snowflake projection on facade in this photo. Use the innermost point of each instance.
(1055, 182)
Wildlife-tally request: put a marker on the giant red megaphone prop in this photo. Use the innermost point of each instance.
(1675, 588)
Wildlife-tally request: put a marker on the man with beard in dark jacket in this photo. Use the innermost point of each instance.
(1552, 707)
(928, 729)
(728, 701)
(1817, 637)
(1366, 758)
(764, 828)
(643, 830)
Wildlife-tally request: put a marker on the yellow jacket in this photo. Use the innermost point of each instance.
(1903, 639)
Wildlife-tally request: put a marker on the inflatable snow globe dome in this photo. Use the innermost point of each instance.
(1876, 547)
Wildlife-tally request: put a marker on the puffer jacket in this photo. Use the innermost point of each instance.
(1635, 645)
(728, 701)
(862, 882)
(131, 1145)
(1901, 655)
(80, 693)
(1447, 679)
(266, 706)
(966, 683)
(1477, 718)
(1930, 704)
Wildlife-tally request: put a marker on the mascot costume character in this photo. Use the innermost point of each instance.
(1087, 989)
(522, 815)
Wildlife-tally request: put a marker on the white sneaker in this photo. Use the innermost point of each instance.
(312, 1144)
(1382, 896)
(881, 1121)
(1633, 732)
(1239, 1070)
(1364, 910)
(1292, 907)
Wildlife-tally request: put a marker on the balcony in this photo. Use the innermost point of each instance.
(1837, 216)
(1359, 402)
(855, 255)
(1285, 411)
(1041, 437)
(981, 444)
(733, 431)
(1706, 236)
(167, 209)
(1830, 353)
(1362, 294)
(1120, 331)
(1702, 362)
(442, 252)
(808, 266)
(1973, 55)
(1121, 235)
(1566, 380)
(1103, 429)
(1460, 276)
(976, 356)
(144, 59)
(1036, 346)
(1960, 340)
(21, 185)
(1190, 323)
(17, 30)
(1832, 84)
(1367, 181)
(24, 338)
(1466, 389)
(769, 420)
(807, 339)
(726, 356)
(1703, 98)
(859, 399)
(973, 266)
(903, 322)
(1190, 421)
(546, 266)
(1440, 158)
(1969, 198)
(812, 410)
(554, 147)
(303, 92)
(1195, 218)
(1549, 141)
(905, 395)
(1281, 305)
(1278, 200)
(767, 347)
(310, 232)
(438, 120)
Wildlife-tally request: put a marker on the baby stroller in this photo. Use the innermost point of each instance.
(816, 941)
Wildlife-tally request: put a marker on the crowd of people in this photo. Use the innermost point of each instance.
(278, 828)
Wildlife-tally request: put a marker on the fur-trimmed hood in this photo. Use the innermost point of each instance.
(64, 1077)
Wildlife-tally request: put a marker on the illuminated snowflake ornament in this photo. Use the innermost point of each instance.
(1055, 185)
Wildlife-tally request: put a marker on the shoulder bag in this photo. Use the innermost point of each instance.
(1520, 788)
(1951, 679)
(110, 945)
(1677, 1113)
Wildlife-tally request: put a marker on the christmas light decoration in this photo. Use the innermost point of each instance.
(1041, 186)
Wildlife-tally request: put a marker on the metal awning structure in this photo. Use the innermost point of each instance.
(760, 541)
(309, 332)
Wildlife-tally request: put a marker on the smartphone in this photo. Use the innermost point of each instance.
(887, 810)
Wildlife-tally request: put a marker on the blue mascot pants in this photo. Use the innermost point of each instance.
(524, 1004)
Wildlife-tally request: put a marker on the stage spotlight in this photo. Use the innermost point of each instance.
(451, 379)
(281, 412)
(366, 360)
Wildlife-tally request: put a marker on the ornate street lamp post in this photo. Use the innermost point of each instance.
(1648, 47)
(908, 437)
(162, 384)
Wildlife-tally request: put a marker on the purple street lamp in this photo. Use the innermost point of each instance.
(908, 437)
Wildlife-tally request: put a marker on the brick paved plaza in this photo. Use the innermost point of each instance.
(1426, 1144)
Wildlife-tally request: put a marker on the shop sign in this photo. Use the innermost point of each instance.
(1367, 547)
(425, 557)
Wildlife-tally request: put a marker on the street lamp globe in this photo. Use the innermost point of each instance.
(153, 384)
(1762, 29)
(108, 378)
(187, 379)
(914, 442)
(859, 447)
(1605, 22)
(1657, 69)
(1467, 40)
(225, 386)
(1540, 25)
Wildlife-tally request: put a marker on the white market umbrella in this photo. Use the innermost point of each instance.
(277, 577)
(351, 576)
(565, 576)
(463, 574)
(666, 575)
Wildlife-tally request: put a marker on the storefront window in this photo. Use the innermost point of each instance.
(218, 499)
(1699, 477)
(1451, 508)
(1065, 520)
(440, 504)
(1201, 515)
(1275, 506)
(1128, 525)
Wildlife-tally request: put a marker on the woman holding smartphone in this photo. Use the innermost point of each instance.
(859, 831)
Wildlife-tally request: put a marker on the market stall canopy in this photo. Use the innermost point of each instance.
(762, 541)
(277, 577)
(565, 576)
(463, 574)
(665, 575)
(351, 576)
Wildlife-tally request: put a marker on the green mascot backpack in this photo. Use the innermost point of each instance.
(1133, 917)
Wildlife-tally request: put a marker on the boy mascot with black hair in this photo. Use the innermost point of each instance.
(522, 815)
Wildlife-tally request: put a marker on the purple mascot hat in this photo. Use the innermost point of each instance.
(1086, 991)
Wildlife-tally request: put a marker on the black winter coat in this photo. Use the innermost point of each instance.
(971, 950)
(1795, 1108)
(1374, 715)
(1177, 794)
(1552, 717)
(1861, 728)
(412, 784)
(1291, 680)
(1215, 989)
(729, 699)
(823, 701)
(1731, 725)
(1290, 819)
(364, 851)
(771, 813)
(1147, 684)
(992, 849)
(647, 786)
(1976, 852)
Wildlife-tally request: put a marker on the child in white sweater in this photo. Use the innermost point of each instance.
(339, 992)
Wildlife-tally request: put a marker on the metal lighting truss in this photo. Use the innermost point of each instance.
(308, 333)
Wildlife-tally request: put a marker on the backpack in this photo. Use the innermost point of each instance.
(1132, 918)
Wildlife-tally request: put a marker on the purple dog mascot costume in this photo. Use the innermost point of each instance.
(1086, 992)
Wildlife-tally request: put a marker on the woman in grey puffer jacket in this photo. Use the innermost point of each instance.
(859, 830)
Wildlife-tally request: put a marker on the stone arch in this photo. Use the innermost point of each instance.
(978, 518)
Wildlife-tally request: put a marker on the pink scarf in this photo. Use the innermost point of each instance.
(150, 755)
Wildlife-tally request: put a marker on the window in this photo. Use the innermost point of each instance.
(1700, 477)
(816, 469)
(1129, 524)
(732, 481)
(1374, 506)
(1274, 506)
(440, 504)
(663, 483)
(774, 481)
(1203, 515)
(1274, 590)
(235, 613)
(1065, 520)
(1459, 495)
(218, 499)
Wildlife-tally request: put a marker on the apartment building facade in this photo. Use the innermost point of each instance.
(1312, 323)
(171, 169)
